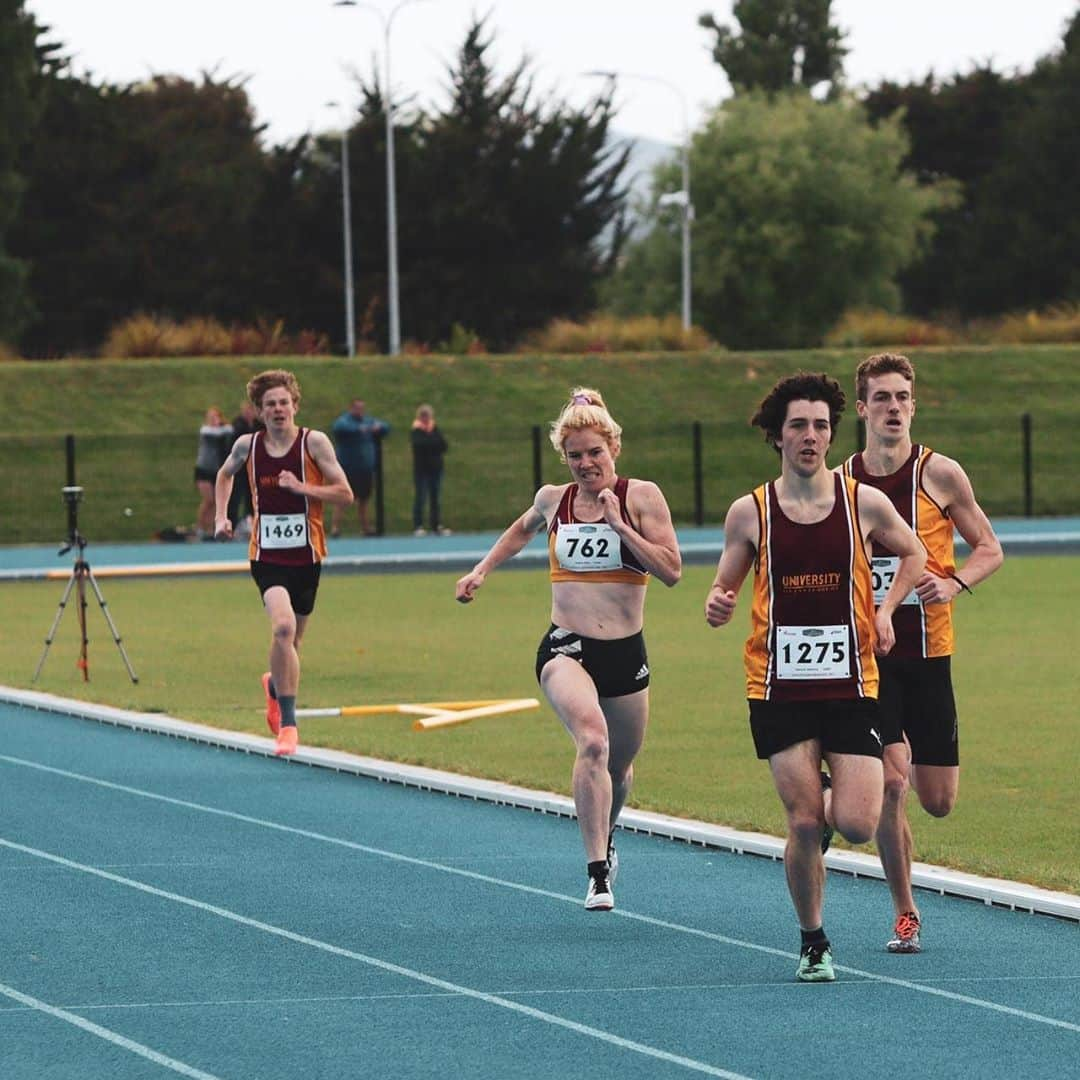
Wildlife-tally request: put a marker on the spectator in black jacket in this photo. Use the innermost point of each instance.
(428, 447)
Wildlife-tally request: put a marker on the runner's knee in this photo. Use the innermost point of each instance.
(592, 746)
(283, 629)
(938, 804)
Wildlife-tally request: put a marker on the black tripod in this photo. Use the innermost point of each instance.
(80, 575)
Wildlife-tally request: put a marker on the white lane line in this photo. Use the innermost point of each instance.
(104, 1033)
(650, 920)
(345, 999)
(565, 991)
(382, 965)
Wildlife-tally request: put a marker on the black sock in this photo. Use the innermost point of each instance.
(598, 868)
(814, 937)
(288, 710)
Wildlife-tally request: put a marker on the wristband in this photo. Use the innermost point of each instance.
(963, 584)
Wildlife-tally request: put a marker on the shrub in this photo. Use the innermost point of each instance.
(462, 342)
(200, 337)
(140, 335)
(872, 328)
(144, 335)
(1057, 325)
(609, 333)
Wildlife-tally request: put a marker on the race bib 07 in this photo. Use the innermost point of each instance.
(883, 569)
(588, 548)
(282, 531)
(813, 652)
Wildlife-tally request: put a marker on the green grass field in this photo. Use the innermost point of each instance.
(136, 426)
(199, 645)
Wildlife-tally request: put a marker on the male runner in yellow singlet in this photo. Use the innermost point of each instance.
(933, 494)
(811, 673)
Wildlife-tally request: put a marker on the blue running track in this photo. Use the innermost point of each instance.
(173, 908)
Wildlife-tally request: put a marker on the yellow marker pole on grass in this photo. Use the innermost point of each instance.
(431, 714)
(463, 716)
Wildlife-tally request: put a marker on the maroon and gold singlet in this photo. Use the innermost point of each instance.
(591, 551)
(920, 631)
(288, 529)
(812, 632)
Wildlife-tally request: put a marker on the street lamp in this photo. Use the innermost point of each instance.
(346, 228)
(681, 198)
(391, 196)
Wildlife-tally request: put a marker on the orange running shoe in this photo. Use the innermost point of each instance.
(287, 740)
(906, 934)
(273, 709)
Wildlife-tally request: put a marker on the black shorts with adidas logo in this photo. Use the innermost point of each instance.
(617, 667)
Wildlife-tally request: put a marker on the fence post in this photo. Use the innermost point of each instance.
(1025, 428)
(69, 455)
(72, 504)
(699, 485)
(380, 505)
(537, 482)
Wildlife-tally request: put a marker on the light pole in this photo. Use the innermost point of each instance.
(672, 198)
(391, 195)
(346, 228)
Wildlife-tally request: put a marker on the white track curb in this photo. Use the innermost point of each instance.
(991, 891)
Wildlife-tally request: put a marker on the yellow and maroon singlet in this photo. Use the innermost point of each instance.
(591, 551)
(288, 528)
(921, 631)
(812, 631)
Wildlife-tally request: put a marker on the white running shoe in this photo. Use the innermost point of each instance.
(599, 897)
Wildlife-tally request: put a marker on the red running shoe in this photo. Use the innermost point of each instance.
(273, 709)
(287, 740)
(905, 937)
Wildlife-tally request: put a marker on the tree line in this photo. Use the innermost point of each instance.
(948, 196)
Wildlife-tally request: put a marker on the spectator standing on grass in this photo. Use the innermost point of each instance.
(292, 471)
(215, 437)
(356, 441)
(428, 449)
(606, 536)
(811, 673)
(918, 711)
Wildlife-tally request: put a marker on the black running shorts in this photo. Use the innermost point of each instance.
(302, 582)
(848, 726)
(916, 699)
(618, 667)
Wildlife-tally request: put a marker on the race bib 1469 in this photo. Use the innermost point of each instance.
(282, 531)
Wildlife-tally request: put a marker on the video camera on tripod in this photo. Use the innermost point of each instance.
(80, 575)
(72, 497)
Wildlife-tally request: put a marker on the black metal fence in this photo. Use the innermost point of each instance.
(136, 486)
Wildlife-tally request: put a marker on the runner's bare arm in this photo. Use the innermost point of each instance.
(514, 539)
(334, 488)
(740, 550)
(947, 482)
(223, 485)
(653, 542)
(887, 527)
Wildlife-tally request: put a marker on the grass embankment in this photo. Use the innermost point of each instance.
(136, 424)
(199, 644)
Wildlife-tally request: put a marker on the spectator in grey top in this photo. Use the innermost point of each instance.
(215, 442)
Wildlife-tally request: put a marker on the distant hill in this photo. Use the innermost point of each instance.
(645, 155)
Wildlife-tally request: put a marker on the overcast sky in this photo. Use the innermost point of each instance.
(298, 55)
